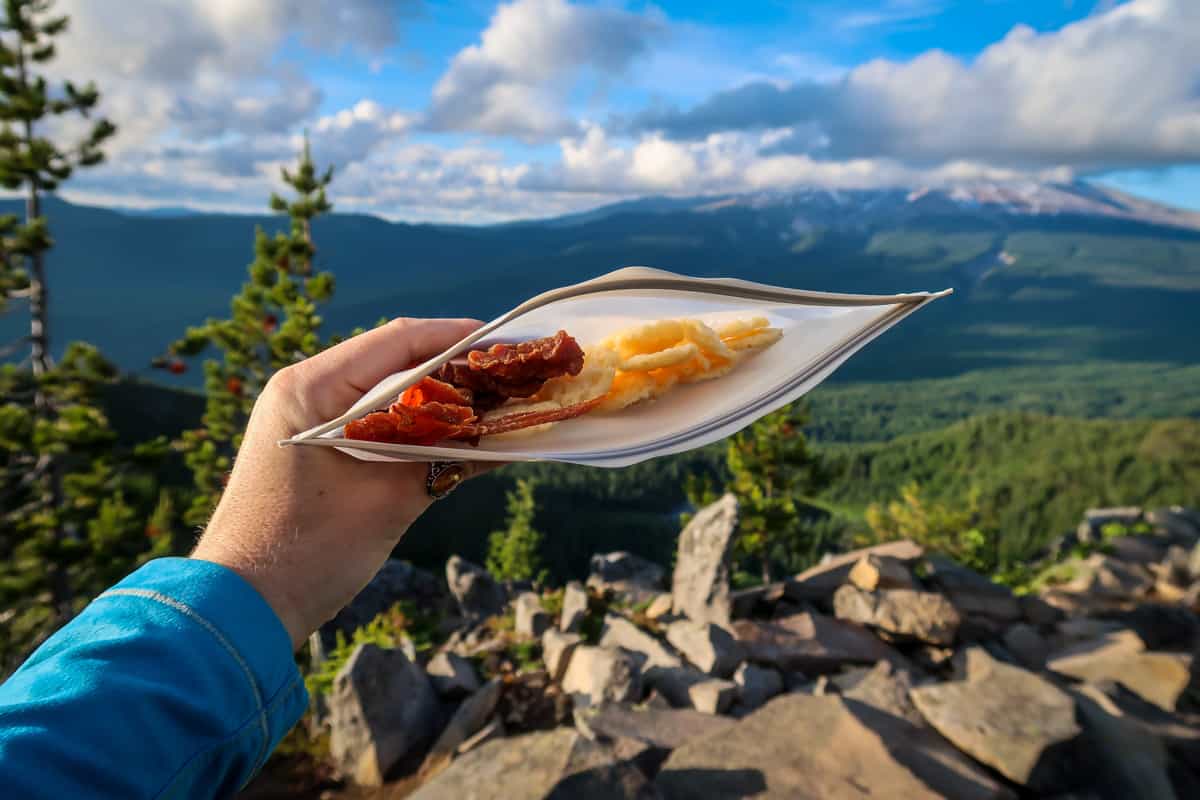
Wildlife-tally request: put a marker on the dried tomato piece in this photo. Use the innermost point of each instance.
(379, 426)
(431, 390)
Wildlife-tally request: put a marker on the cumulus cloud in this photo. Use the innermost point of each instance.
(1113, 89)
(516, 80)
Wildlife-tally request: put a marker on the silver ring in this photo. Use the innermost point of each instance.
(444, 477)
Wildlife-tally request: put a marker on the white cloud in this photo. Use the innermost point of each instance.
(1113, 89)
(532, 54)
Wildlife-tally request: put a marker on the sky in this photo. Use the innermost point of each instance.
(477, 112)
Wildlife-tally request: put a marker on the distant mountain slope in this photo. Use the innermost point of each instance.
(1047, 275)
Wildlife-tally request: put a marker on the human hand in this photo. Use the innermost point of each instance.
(309, 527)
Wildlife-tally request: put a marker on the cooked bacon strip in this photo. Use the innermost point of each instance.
(481, 383)
(378, 426)
(545, 358)
(527, 419)
(428, 424)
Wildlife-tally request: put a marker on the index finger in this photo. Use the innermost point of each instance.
(343, 373)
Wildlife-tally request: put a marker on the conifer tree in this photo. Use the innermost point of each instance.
(771, 470)
(73, 503)
(513, 553)
(273, 322)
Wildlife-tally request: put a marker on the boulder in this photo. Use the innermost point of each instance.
(1158, 678)
(382, 708)
(712, 695)
(886, 688)
(1124, 761)
(1006, 717)
(822, 747)
(1083, 629)
(710, 648)
(558, 764)
(660, 606)
(1160, 626)
(872, 572)
(599, 675)
(1181, 524)
(971, 593)
(756, 685)
(650, 652)
(557, 648)
(574, 607)
(625, 574)
(396, 581)
(1037, 611)
(810, 642)
(700, 583)
(660, 729)
(1137, 549)
(468, 719)
(820, 582)
(1180, 733)
(925, 616)
(531, 619)
(755, 601)
(1027, 646)
(479, 596)
(452, 675)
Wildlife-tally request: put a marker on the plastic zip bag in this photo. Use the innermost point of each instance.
(820, 332)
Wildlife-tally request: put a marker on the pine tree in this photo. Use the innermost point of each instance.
(513, 553)
(771, 470)
(72, 500)
(273, 322)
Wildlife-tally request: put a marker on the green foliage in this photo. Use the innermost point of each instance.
(74, 504)
(513, 553)
(956, 529)
(1031, 475)
(273, 322)
(771, 470)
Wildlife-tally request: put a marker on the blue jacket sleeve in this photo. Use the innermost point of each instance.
(176, 682)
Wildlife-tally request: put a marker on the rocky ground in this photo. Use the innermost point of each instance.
(884, 672)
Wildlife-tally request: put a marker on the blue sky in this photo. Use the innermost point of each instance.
(477, 111)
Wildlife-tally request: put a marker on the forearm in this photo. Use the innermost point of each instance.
(179, 681)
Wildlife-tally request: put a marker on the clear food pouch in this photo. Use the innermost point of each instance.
(820, 331)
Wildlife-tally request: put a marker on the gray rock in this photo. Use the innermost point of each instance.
(660, 606)
(452, 675)
(1127, 762)
(886, 688)
(1005, 717)
(625, 574)
(1094, 520)
(712, 695)
(557, 648)
(477, 593)
(756, 685)
(574, 607)
(1158, 678)
(1181, 524)
(396, 581)
(1176, 565)
(872, 572)
(660, 729)
(1193, 565)
(924, 616)
(547, 765)
(599, 675)
(971, 593)
(848, 750)
(700, 584)
(492, 730)
(755, 601)
(1137, 549)
(382, 708)
(468, 719)
(1037, 611)
(710, 648)
(810, 642)
(531, 619)
(1102, 578)
(1083, 629)
(650, 652)
(1027, 646)
(820, 582)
